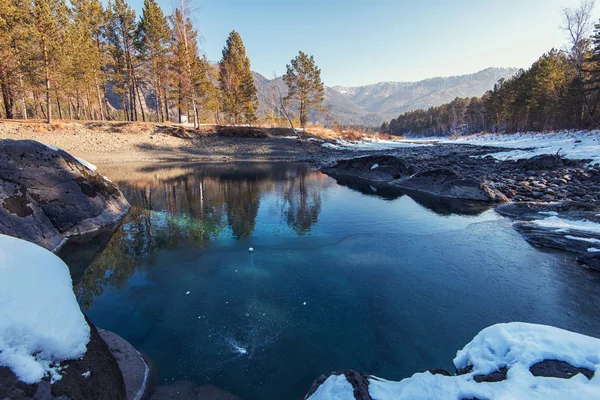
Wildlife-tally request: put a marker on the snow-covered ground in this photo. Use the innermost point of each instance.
(516, 346)
(573, 144)
(374, 144)
(41, 323)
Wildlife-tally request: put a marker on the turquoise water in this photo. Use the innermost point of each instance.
(342, 275)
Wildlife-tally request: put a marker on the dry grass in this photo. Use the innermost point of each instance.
(186, 132)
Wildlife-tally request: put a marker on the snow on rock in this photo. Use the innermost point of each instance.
(87, 164)
(565, 225)
(336, 387)
(593, 250)
(573, 144)
(41, 323)
(373, 144)
(515, 346)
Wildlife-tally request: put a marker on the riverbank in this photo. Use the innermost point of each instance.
(106, 143)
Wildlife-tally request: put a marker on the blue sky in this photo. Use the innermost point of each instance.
(357, 42)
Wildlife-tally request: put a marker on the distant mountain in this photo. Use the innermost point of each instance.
(372, 104)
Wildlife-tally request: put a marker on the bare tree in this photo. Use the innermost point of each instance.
(578, 25)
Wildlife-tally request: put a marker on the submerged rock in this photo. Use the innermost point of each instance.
(569, 226)
(449, 184)
(186, 390)
(47, 195)
(95, 376)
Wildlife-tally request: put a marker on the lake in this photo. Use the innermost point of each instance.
(343, 276)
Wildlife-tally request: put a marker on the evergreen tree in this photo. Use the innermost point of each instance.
(49, 20)
(185, 51)
(238, 93)
(152, 39)
(303, 79)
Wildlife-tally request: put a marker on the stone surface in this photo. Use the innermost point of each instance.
(105, 381)
(558, 369)
(450, 184)
(372, 168)
(525, 214)
(131, 363)
(544, 162)
(47, 196)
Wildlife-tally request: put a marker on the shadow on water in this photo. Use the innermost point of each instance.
(438, 205)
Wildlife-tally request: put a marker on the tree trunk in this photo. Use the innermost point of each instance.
(47, 67)
(23, 104)
(58, 103)
(7, 96)
(99, 98)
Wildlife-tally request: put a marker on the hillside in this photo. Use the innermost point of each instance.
(373, 104)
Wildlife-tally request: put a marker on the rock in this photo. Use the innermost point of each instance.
(134, 368)
(558, 369)
(186, 390)
(495, 376)
(590, 260)
(387, 168)
(572, 240)
(544, 162)
(449, 184)
(47, 196)
(439, 371)
(104, 380)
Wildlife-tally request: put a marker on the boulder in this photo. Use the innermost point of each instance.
(48, 196)
(372, 168)
(95, 376)
(134, 368)
(450, 184)
(544, 162)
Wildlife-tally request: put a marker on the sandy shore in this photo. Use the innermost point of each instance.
(106, 143)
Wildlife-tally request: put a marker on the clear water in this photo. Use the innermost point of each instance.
(342, 276)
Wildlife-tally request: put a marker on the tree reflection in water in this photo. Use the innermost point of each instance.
(173, 204)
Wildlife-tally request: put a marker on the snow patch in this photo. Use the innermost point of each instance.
(593, 250)
(41, 323)
(87, 164)
(582, 239)
(368, 143)
(573, 144)
(516, 346)
(565, 225)
(336, 387)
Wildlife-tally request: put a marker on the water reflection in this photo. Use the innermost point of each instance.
(173, 204)
(438, 205)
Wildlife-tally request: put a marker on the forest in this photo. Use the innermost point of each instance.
(561, 90)
(83, 61)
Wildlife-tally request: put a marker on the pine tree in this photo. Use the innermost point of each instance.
(120, 32)
(239, 101)
(185, 51)
(303, 79)
(152, 40)
(50, 18)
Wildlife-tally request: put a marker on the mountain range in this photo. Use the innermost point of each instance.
(370, 105)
